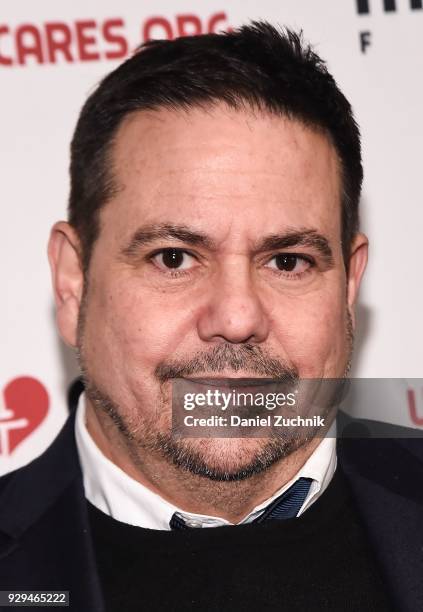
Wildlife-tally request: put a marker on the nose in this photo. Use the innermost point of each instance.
(233, 311)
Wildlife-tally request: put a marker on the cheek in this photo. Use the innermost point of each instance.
(312, 333)
(131, 331)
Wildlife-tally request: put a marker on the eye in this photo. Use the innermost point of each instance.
(173, 259)
(291, 263)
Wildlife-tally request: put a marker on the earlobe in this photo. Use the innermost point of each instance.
(357, 266)
(67, 278)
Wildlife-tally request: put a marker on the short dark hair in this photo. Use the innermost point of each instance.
(257, 66)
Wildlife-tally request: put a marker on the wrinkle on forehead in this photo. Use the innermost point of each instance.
(235, 170)
(146, 137)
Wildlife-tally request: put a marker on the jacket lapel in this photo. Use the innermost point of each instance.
(46, 544)
(386, 478)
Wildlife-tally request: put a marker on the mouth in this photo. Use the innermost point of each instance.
(234, 381)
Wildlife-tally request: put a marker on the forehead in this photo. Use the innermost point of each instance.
(221, 165)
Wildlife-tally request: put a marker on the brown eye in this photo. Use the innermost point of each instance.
(286, 261)
(290, 262)
(173, 259)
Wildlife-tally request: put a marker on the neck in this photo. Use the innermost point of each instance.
(192, 493)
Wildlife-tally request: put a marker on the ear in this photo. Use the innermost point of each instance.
(67, 276)
(358, 261)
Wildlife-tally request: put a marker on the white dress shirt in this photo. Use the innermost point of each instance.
(115, 493)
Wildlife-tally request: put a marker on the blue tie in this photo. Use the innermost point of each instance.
(286, 506)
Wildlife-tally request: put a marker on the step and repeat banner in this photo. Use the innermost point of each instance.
(52, 54)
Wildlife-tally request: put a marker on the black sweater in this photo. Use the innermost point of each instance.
(319, 561)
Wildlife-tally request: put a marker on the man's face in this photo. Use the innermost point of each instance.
(220, 256)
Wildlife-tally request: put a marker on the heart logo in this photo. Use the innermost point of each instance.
(25, 406)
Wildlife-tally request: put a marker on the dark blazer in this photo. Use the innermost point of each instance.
(45, 541)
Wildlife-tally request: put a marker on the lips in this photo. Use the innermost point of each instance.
(251, 385)
(239, 382)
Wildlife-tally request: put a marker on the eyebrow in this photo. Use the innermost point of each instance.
(151, 233)
(290, 238)
(302, 238)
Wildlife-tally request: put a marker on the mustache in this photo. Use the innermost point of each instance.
(228, 357)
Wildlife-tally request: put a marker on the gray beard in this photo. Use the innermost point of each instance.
(189, 455)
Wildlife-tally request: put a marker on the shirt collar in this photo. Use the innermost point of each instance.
(115, 493)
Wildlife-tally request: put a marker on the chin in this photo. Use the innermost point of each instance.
(225, 459)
